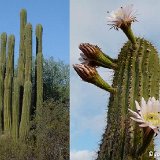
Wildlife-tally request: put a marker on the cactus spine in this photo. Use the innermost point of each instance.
(16, 90)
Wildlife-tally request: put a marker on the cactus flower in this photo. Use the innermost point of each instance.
(122, 16)
(93, 56)
(87, 73)
(90, 75)
(89, 54)
(148, 114)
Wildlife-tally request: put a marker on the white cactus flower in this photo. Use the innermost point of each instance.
(123, 16)
(148, 114)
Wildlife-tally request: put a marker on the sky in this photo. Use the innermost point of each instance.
(88, 23)
(54, 17)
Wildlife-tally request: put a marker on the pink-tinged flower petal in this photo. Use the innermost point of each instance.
(143, 103)
(156, 106)
(122, 16)
(143, 106)
(153, 99)
(136, 115)
(143, 125)
(150, 115)
(149, 106)
(153, 127)
(137, 106)
(137, 120)
(156, 130)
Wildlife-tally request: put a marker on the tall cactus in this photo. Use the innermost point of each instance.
(16, 89)
(28, 52)
(39, 67)
(24, 124)
(8, 84)
(2, 74)
(21, 61)
(136, 75)
(25, 119)
(15, 109)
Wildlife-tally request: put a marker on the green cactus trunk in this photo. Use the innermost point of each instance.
(39, 67)
(2, 75)
(25, 118)
(21, 61)
(28, 51)
(136, 76)
(8, 84)
(15, 110)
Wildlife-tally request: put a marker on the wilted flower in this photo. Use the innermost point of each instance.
(89, 54)
(87, 73)
(90, 75)
(148, 114)
(93, 56)
(123, 16)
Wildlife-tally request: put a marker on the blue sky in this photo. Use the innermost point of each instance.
(88, 23)
(54, 17)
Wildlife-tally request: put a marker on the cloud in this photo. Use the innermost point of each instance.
(82, 155)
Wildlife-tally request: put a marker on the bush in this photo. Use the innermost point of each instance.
(52, 131)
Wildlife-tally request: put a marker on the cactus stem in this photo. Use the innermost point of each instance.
(128, 32)
(99, 82)
(89, 74)
(92, 55)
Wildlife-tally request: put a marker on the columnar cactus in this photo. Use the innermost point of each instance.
(8, 84)
(136, 75)
(39, 66)
(16, 89)
(25, 118)
(2, 74)
(15, 109)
